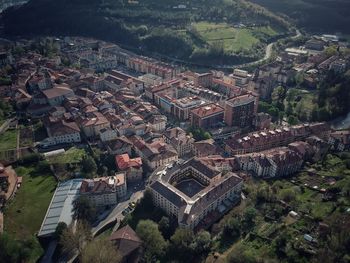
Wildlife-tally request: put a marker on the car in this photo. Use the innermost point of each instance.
(132, 204)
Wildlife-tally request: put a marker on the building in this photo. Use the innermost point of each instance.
(155, 154)
(104, 191)
(91, 126)
(61, 207)
(119, 145)
(240, 111)
(315, 44)
(262, 121)
(128, 244)
(60, 132)
(108, 134)
(178, 138)
(277, 162)
(340, 140)
(182, 107)
(204, 148)
(264, 140)
(56, 95)
(206, 116)
(194, 192)
(132, 167)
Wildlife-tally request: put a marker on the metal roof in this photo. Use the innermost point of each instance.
(61, 206)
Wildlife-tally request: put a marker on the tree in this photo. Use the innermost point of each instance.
(153, 241)
(11, 250)
(100, 251)
(287, 195)
(61, 226)
(83, 209)
(75, 237)
(181, 241)
(202, 243)
(241, 254)
(164, 226)
(249, 216)
(88, 165)
(232, 229)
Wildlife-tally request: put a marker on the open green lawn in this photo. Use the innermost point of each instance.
(73, 155)
(8, 140)
(234, 39)
(24, 214)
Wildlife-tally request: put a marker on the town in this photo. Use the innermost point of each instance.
(93, 133)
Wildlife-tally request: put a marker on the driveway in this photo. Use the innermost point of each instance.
(116, 213)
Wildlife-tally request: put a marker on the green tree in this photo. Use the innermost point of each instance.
(61, 226)
(75, 237)
(202, 243)
(153, 241)
(249, 216)
(180, 246)
(232, 229)
(100, 250)
(88, 165)
(241, 254)
(83, 209)
(164, 226)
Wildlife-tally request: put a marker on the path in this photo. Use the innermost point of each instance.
(18, 138)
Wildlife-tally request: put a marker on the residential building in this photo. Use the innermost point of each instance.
(119, 146)
(178, 138)
(155, 154)
(206, 116)
(340, 140)
(108, 134)
(132, 167)
(212, 193)
(263, 140)
(182, 107)
(277, 162)
(104, 191)
(56, 95)
(205, 148)
(128, 244)
(240, 111)
(262, 121)
(60, 132)
(91, 126)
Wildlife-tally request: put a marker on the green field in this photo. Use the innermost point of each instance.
(8, 140)
(24, 214)
(234, 39)
(73, 155)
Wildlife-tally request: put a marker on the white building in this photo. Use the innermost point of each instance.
(62, 132)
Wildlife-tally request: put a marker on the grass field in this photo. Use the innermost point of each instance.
(24, 214)
(234, 39)
(8, 140)
(73, 155)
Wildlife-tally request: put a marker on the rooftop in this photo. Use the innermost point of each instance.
(207, 110)
(60, 209)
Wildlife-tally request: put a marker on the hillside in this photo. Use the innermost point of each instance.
(202, 31)
(314, 15)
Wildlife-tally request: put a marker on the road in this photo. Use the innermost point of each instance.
(116, 213)
(268, 53)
